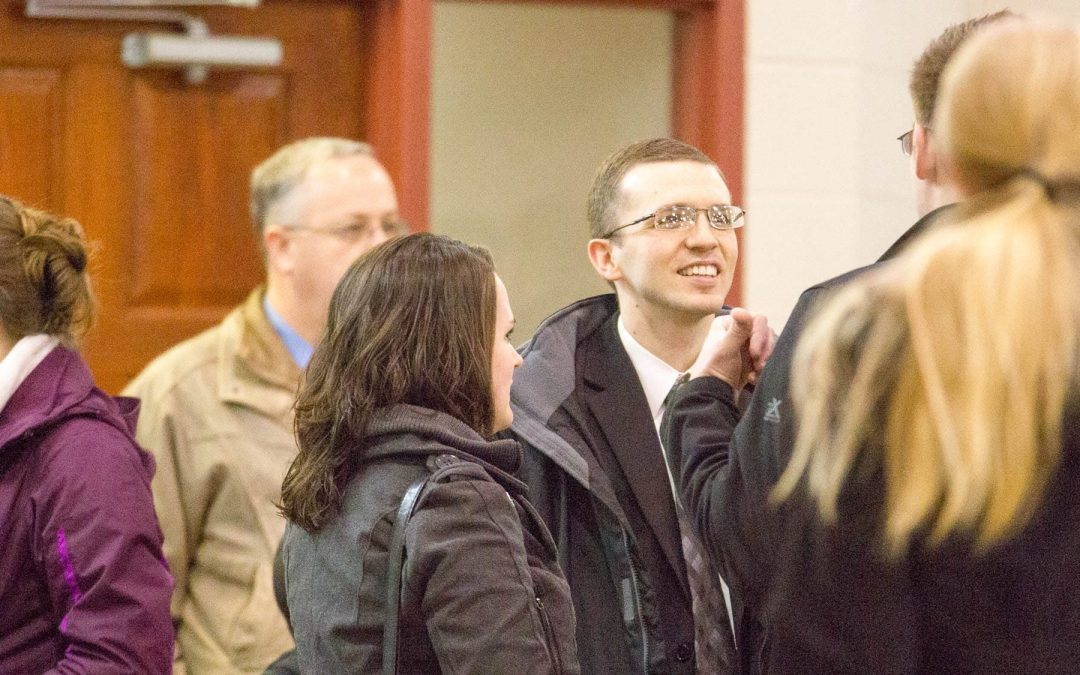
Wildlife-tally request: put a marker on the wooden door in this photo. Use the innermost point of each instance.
(157, 170)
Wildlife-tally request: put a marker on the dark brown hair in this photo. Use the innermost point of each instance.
(604, 195)
(926, 74)
(43, 283)
(412, 321)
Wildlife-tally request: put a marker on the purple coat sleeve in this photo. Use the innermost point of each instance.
(100, 545)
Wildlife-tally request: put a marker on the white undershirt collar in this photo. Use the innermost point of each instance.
(27, 353)
(656, 377)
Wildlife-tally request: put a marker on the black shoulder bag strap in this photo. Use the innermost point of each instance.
(393, 575)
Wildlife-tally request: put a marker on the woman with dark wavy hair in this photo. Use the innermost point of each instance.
(410, 381)
(83, 584)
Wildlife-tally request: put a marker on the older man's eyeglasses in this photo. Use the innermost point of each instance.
(681, 217)
(905, 141)
(352, 231)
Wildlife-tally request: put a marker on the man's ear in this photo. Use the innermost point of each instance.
(602, 257)
(278, 242)
(924, 154)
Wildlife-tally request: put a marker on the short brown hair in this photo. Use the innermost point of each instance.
(604, 195)
(412, 321)
(43, 283)
(926, 73)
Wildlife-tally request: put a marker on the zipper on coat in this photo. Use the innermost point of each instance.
(549, 634)
(637, 606)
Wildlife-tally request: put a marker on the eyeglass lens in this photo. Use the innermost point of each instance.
(905, 141)
(720, 216)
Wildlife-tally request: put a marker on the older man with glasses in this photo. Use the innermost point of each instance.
(725, 479)
(589, 399)
(218, 409)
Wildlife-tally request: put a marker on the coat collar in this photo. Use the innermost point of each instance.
(548, 376)
(61, 386)
(616, 400)
(254, 367)
(413, 430)
(915, 230)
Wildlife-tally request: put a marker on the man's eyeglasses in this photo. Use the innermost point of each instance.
(905, 141)
(353, 231)
(681, 217)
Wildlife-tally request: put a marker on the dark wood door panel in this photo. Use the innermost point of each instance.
(157, 170)
(224, 128)
(31, 117)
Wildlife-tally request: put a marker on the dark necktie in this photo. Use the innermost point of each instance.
(714, 646)
(713, 643)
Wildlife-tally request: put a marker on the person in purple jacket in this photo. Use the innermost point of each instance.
(83, 584)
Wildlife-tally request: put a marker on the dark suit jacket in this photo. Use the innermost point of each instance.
(606, 419)
(726, 476)
(620, 431)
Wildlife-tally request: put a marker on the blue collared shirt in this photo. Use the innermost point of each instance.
(299, 349)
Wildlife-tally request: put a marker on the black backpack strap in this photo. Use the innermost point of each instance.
(442, 467)
(393, 575)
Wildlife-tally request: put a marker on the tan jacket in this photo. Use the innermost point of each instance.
(217, 413)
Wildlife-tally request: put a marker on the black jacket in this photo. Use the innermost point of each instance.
(596, 474)
(726, 480)
(481, 589)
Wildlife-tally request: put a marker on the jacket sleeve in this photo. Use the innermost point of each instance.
(698, 429)
(467, 561)
(837, 604)
(99, 541)
(158, 433)
(729, 461)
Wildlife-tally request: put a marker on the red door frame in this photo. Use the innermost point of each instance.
(707, 96)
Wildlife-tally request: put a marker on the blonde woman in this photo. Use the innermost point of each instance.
(934, 496)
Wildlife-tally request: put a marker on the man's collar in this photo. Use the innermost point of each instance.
(915, 230)
(657, 377)
(299, 349)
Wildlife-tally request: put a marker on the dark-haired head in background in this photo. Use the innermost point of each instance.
(727, 483)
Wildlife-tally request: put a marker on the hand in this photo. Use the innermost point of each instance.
(736, 349)
(762, 340)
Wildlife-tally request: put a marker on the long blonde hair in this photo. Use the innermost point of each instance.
(948, 370)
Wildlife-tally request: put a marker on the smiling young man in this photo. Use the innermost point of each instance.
(589, 399)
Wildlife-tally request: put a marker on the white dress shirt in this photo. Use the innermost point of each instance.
(24, 356)
(657, 378)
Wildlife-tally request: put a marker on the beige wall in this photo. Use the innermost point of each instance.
(527, 100)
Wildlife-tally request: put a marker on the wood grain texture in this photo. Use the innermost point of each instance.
(157, 170)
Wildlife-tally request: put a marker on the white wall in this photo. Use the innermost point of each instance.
(1062, 9)
(527, 101)
(826, 185)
